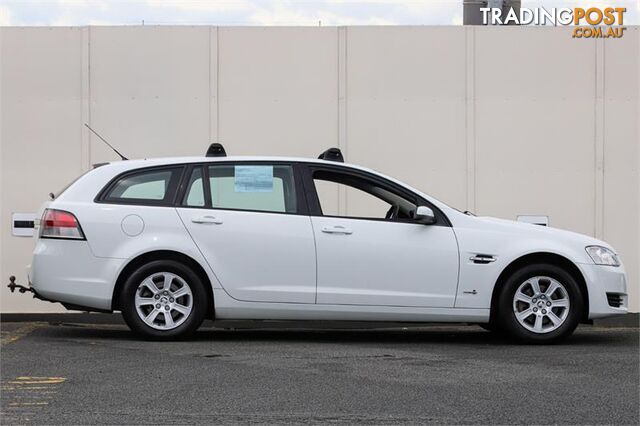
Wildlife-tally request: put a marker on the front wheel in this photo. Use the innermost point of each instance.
(163, 299)
(540, 303)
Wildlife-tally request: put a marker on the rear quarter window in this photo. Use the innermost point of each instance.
(150, 186)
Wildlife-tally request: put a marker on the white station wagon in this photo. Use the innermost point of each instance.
(170, 242)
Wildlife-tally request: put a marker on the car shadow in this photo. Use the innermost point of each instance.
(462, 335)
(451, 335)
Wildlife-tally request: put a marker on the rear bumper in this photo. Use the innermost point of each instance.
(66, 271)
(603, 280)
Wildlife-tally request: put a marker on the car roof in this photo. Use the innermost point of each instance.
(149, 162)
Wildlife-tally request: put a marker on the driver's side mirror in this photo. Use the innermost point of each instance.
(425, 215)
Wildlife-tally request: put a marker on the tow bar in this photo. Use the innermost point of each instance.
(22, 289)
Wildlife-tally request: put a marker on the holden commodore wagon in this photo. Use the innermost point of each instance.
(170, 242)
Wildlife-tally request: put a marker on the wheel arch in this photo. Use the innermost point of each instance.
(147, 257)
(541, 257)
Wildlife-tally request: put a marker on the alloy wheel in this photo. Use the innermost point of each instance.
(541, 304)
(163, 300)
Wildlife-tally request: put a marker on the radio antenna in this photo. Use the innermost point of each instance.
(103, 140)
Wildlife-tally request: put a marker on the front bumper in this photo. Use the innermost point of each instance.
(66, 271)
(601, 280)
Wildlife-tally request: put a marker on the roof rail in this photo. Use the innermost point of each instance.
(216, 150)
(332, 154)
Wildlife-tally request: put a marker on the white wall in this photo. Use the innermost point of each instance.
(499, 120)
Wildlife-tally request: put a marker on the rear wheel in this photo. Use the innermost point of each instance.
(163, 299)
(540, 303)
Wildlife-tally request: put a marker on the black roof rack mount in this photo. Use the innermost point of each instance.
(216, 150)
(332, 154)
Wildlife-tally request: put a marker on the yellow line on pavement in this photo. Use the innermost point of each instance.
(29, 388)
(51, 381)
(19, 333)
(20, 404)
(39, 378)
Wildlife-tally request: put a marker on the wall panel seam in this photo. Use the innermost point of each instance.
(217, 83)
(603, 123)
(2, 148)
(214, 85)
(85, 103)
(209, 75)
(342, 109)
(470, 117)
(599, 140)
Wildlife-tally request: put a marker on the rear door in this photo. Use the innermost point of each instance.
(250, 221)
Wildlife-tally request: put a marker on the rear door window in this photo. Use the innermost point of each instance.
(252, 187)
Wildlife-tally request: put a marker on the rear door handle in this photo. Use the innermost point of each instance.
(338, 229)
(206, 219)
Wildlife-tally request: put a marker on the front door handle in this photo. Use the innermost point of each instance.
(206, 219)
(482, 259)
(338, 229)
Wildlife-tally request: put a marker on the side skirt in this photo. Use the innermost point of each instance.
(227, 308)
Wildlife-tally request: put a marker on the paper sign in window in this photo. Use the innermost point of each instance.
(253, 178)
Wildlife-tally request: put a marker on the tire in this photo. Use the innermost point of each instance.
(552, 312)
(151, 313)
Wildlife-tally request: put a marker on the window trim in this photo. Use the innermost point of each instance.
(315, 209)
(307, 201)
(167, 201)
(183, 189)
(302, 208)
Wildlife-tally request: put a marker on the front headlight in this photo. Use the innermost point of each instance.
(602, 256)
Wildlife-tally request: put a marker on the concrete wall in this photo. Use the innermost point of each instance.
(501, 120)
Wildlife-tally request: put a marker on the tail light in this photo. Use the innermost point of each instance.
(60, 224)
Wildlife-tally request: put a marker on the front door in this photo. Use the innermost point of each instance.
(371, 252)
(249, 221)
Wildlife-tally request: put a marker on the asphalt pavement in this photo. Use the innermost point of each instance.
(101, 374)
